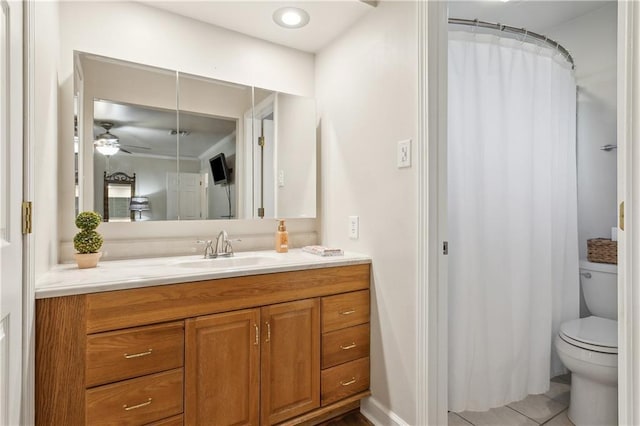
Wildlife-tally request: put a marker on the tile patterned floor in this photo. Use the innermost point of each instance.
(549, 409)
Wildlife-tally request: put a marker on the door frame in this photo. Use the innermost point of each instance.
(28, 248)
(432, 309)
(628, 186)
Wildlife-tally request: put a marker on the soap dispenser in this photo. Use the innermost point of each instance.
(282, 238)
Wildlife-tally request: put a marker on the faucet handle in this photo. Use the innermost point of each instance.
(208, 248)
(228, 247)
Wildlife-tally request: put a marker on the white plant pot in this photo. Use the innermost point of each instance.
(87, 260)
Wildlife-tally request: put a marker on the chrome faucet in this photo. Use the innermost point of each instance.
(223, 246)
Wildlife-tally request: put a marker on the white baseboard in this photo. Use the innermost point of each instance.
(380, 415)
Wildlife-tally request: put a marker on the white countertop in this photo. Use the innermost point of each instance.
(67, 279)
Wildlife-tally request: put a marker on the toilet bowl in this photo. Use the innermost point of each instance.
(588, 347)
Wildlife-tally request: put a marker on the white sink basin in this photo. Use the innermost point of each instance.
(229, 262)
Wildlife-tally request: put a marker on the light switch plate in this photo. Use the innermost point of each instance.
(354, 227)
(404, 153)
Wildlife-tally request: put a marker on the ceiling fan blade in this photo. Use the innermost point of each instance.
(136, 146)
(125, 151)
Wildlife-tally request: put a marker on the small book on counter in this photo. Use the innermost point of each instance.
(323, 251)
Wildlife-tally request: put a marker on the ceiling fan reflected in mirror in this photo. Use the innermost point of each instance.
(109, 144)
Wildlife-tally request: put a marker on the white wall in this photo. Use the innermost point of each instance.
(591, 40)
(157, 38)
(46, 150)
(295, 156)
(366, 85)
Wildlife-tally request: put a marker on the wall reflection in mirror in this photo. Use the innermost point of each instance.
(197, 148)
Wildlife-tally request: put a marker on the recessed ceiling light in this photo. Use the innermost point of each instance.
(291, 17)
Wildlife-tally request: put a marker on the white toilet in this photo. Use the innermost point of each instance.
(588, 347)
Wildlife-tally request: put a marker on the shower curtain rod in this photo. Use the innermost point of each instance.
(514, 30)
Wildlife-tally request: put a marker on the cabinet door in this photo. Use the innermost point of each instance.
(290, 360)
(222, 380)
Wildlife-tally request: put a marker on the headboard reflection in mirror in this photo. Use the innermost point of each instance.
(198, 147)
(119, 190)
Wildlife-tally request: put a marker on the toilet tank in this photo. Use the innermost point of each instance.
(599, 283)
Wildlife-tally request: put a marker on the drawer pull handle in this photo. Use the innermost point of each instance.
(257, 341)
(133, 407)
(351, 346)
(348, 312)
(350, 382)
(268, 331)
(138, 355)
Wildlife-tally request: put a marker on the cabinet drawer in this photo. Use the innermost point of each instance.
(345, 345)
(124, 354)
(345, 310)
(344, 380)
(136, 401)
(171, 421)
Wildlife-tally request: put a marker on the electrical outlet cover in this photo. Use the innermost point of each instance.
(354, 227)
(404, 153)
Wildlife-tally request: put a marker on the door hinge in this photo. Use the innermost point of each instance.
(445, 247)
(26, 217)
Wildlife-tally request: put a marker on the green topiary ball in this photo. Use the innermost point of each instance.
(87, 242)
(88, 221)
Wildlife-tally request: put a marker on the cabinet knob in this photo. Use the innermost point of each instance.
(268, 331)
(257, 341)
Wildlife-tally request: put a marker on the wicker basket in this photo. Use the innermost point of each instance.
(602, 250)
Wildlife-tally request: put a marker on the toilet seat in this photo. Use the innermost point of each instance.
(591, 333)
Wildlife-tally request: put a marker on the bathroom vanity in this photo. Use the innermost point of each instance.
(174, 341)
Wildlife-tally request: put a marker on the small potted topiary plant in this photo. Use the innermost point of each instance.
(88, 241)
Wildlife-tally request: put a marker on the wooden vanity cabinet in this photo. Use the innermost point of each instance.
(222, 375)
(345, 345)
(290, 360)
(230, 355)
(256, 350)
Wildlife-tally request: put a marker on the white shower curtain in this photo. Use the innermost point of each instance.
(513, 258)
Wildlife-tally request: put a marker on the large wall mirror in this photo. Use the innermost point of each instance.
(199, 148)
